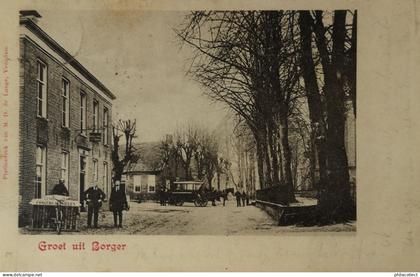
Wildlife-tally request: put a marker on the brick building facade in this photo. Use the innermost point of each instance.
(65, 120)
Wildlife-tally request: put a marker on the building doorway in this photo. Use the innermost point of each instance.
(82, 180)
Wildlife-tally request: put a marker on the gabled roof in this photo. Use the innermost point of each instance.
(34, 28)
(140, 167)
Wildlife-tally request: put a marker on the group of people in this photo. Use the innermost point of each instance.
(95, 197)
(242, 196)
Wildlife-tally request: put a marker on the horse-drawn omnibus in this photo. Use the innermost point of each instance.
(188, 191)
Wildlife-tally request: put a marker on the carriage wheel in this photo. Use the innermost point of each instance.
(179, 203)
(200, 202)
(204, 203)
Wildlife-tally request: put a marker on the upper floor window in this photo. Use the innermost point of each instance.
(66, 103)
(83, 112)
(105, 123)
(95, 115)
(41, 89)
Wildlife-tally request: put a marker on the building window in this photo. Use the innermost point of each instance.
(151, 188)
(66, 104)
(65, 168)
(95, 170)
(40, 181)
(144, 182)
(83, 113)
(105, 123)
(137, 188)
(41, 89)
(95, 116)
(105, 177)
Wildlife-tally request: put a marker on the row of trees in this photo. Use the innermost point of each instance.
(196, 152)
(264, 65)
(192, 152)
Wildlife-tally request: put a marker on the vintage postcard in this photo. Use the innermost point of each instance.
(209, 136)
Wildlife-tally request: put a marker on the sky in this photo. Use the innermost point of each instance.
(137, 56)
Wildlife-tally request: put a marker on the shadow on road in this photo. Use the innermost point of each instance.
(165, 211)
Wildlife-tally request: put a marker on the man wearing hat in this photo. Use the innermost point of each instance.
(117, 203)
(94, 197)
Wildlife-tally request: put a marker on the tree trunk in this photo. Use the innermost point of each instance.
(199, 163)
(335, 201)
(176, 166)
(267, 161)
(272, 146)
(118, 171)
(312, 161)
(312, 93)
(209, 179)
(187, 168)
(260, 164)
(280, 155)
(218, 180)
(295, 166)
(353, 62)
(287, 157)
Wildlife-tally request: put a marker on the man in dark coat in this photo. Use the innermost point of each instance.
(243, 198)
(117, 203)
(238, 198)
(94, 197)
(213, 194)
(225, 196)
(60, 188)
(162, 196)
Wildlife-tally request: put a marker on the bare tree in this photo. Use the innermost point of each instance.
(254, 62)
(221, 168)
(241, 60)
(337, 58)
(196, 148)
(186, 145)
(127, 130)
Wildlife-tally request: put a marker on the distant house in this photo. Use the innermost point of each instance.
(142, 183)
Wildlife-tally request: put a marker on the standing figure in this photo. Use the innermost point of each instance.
(117, 203)
(165, 197)
(94, 197)
(238, 198)
(162, 196)
(213, 194)
(60, 188)
(224, 195)
(243, 198)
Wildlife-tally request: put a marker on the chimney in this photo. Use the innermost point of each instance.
(30, 14)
